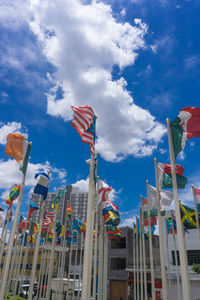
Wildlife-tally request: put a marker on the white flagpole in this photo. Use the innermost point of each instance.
(162, 258)
(105, 266)
(95, 254)
(87, 248)
(4, 237)
(80, 270)
(75, 265)
(141, 257)
(182, 250)
(12, 237)
(35, 257)
(51, 262)
(144, 254)
(100, 275)
(176, 259)
(168, 261)
(196, 211)
(137, 258)
(134, 255)
(150, 247)
(69, 264)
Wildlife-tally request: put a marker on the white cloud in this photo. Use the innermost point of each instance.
(192, 62)
(84, 42)
(186, 195)
(10, 127)
(10, 174)
(166, 44)
(127, 222)
(82, 184)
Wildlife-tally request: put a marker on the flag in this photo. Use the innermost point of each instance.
(14, 193)
(84, 122)
(42, 186)
(188, 217)
(68, 212)
(83, 227)
(165, 177)
(33, 207)
(169, 226)
(197, 196)
(77, 224)
(112, 218)
(57, 198)
(18, 148)
(185, 127)
(104, 190)
(153, 216)
(153, 228)
(1, 209)
(110, 204)
(166, 197)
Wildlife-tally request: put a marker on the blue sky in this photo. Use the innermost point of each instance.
(135, 62)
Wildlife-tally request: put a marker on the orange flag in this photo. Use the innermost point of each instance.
(16, 146)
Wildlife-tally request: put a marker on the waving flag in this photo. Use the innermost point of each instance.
(188, 217)
(1, 209)
(185, 127)
(19, 148)
(197, 195)
(68, 212)
(104, 190)
(14, 193)
(165, 177)
(57, 198)
(33, 207)
(84, 122)
(42, 186)
(166, 197)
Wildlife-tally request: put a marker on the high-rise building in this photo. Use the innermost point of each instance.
(74, 196)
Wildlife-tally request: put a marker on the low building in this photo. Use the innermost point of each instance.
(120, 267)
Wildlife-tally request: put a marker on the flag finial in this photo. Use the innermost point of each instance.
(155, 159)
(167, 120)
(147, 181)
(192, 185)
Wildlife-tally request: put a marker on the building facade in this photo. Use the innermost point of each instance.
(120, 267)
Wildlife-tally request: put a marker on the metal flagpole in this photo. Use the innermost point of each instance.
(196, 211)
(95, 254)
(4, 237)
(69, 265)
(80, 269)
(168, 261)
(75, 266)
(105, 266)
(137, 258)
(35, 257)
(51, 262)
(144, 253)
(150, 247)
(100, 275)
(176, 259)
(88, 242)
(21, 250)
(162, 258)
(182, 250)
(40, 273)
(141, 257)
(134, 264)
(12, 237)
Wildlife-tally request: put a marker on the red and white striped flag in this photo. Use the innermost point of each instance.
(84, 122)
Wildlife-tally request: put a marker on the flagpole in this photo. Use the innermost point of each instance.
(196, 211)
(80, 264)
(69, 264)
(141, 257)
(4, 237)
(100, 295)
(168, 261)
(51, 262)
(12, 236)
(34, 264)
(144, 254)
(134, 254)
(95, 254)
(176, 258)
(105, 265)
(150, 247)
(182, 249)
(137, 257)
(162, 258)
(90, 209)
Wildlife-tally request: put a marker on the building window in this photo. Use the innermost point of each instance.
(118, 264)
(192, 255)
(121, 244)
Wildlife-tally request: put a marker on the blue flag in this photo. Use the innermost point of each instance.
(42, 186)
